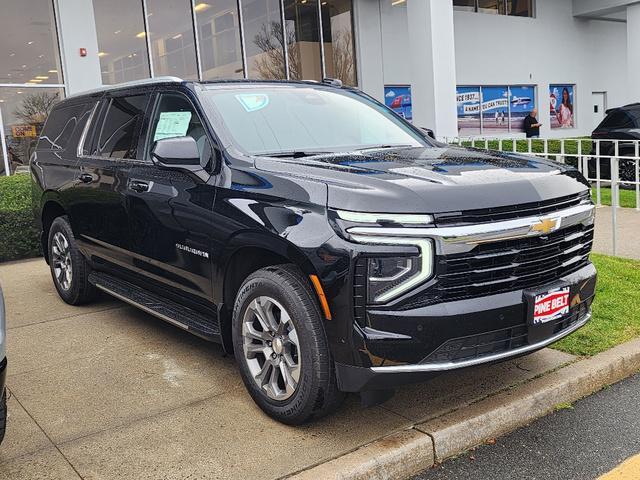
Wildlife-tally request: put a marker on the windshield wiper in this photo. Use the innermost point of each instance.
(381, 147)
(293, 154)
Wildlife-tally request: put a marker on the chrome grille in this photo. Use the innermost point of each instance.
(508, 265)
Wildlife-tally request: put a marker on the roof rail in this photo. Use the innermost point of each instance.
(133, 83)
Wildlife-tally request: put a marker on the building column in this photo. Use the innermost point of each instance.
(76, 30)
(433, 65)
(633, 53)
(368, 32)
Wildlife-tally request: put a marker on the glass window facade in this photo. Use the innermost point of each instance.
(121, 40)
(518, 8)
(31, 72)
(263, 39)
(257, 39)
(338, 39)
(218, 26)
(24, 111)
(302, 30)
(172, 38)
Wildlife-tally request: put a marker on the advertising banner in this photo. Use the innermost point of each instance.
(495, 110)
(523, 100)
(468, 101)
(398, 99)
(561, 102)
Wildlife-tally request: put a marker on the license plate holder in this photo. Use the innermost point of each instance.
(547, 306)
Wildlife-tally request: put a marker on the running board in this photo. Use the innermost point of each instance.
(167, 310)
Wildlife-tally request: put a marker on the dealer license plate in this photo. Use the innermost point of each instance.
(550, 305)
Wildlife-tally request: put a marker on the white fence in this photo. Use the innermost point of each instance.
(606, 163)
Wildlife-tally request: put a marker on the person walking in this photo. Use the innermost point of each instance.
(531, 124)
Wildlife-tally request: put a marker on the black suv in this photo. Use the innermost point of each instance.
(623, 124)
(328, 243)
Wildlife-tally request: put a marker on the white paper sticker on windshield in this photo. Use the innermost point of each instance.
(172, 124)
(253, 101)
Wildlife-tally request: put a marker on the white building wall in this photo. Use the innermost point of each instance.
(553, 48)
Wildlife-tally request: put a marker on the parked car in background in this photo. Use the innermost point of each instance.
(3, 368)
(623, 124)
(328, 243)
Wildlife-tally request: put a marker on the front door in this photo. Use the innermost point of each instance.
(170, 211)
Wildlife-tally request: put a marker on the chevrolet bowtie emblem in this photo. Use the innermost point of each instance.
(545, 226)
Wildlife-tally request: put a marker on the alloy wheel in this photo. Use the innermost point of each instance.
(271, 348)
(61, 260)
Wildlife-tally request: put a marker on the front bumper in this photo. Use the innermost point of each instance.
(413, 345)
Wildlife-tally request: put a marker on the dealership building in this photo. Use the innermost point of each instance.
(459, 67)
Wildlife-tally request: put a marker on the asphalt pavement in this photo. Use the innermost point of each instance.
(581, 442)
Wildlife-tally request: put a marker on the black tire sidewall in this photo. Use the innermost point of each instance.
(314, 356)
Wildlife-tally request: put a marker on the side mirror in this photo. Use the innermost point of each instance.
(428, 132)
(176, 152)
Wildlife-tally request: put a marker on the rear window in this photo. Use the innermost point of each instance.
(617, 119)
(60, 125)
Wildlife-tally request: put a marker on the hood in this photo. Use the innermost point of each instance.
(431, 179)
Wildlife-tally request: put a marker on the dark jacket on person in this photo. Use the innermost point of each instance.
(530, 130)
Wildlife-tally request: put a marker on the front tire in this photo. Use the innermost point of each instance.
(281, 347)
(3, 415)
(69, 269)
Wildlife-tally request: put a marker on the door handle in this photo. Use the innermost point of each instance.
(85, 178)
(138, 186)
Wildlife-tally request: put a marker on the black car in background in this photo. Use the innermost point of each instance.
(329, 244)
(621, 123)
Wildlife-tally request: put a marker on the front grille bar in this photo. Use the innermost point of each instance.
(455, 240)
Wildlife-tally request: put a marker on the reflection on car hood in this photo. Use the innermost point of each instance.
(435, 179)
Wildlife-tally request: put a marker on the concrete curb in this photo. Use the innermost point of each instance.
(403, 454)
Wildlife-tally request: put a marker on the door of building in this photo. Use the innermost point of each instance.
(599, 106)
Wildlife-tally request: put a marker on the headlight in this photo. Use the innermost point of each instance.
(390, 277)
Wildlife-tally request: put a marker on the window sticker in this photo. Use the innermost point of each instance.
(253, 102)
(172, 124)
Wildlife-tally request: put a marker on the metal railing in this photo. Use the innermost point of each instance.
(593, 158)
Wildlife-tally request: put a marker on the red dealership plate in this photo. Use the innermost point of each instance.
(550, 305)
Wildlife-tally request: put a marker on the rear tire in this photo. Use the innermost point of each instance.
(281, 347)
(69, 269)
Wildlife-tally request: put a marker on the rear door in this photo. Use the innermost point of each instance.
(109, 150)
(170, 211)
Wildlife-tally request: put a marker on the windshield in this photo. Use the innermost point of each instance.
(287, 120)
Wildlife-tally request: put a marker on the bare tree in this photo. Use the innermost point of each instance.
(35, 108)
(342, 53)
(270, 63)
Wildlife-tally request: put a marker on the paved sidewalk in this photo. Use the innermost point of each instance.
(628, 234)
(106, 391)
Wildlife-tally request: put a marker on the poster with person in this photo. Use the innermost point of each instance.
(561, 106)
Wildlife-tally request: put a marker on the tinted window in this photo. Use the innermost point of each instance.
(119, 135)
(617, 119)
(61, 123)
(176, 117)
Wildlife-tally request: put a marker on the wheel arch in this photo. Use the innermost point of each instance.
(51, 209)
(248, 253)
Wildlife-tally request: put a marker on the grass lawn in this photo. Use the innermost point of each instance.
(616, 309)
(627, 197)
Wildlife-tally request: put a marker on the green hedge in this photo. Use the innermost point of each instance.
(18, 231)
